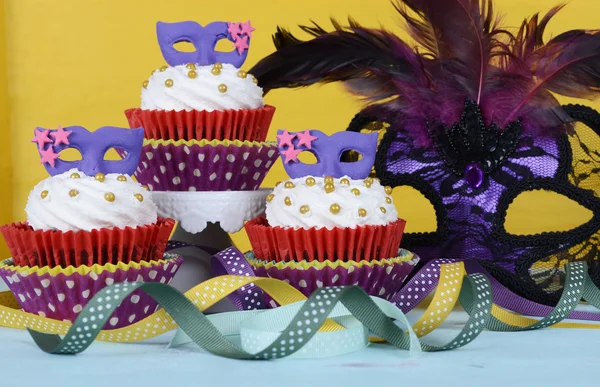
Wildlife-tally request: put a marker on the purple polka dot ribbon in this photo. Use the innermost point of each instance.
(231, 261)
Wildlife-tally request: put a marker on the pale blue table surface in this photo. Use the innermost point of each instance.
(550, 357)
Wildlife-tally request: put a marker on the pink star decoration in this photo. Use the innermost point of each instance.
(247, 28)
(60, 136)
(41, 137)
(241, 43)
(233, 29)
(48, 156)
(291, 154)
(285, 139)
(305, 139)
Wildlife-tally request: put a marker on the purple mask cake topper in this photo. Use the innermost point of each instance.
(92, 146)
(204, 39)
(328, 150)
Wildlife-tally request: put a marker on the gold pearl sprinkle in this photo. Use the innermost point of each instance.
(145, 84)
(191, 66)
(388, 190)
(222, 88)
(345, 181)
(383, 209)
(388, 200)
(370, 180)
(355, 191)
(73, 193)
(362, 212)
(44, 194)
(139, 197)
(287, 201)
(242, 74)
(163, 69)
(277, 184)
(255, 80)
(122, 178)
(169, 83)
(270, 198)
(304, 209)
(75, 175)
(192, 74)
(109, 197)
(100, 177)
(146, 187)
(328, 180)
(329, 188)
(310, 181)
(218, 65)
(335, 208)
(289, 184)
(368, 184)
(215, 71)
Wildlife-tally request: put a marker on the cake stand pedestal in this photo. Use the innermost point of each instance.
(206, 219)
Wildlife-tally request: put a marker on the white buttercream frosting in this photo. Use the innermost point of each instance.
(309, 206)
(201, 92)
(65, 203)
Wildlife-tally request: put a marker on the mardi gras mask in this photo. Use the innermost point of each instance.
(328, 151)
(204, 40)
(470, 120)
(92, 146)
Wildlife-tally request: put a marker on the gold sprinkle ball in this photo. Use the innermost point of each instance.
(335, 208)
(146, 187)
(329, 188)
(215, 71)
(270, 198)
(242, 74)
(383, 209)
(222, 88)
(169, 83)
(362, 212)
(345, 181)
(145, 84)
(75, 175)
(109, 197)
(368, 183)
(191, 66)
(122, 178)
(100, 177)
(328, 180)
(139, 197)
(218, 65)
(73, 193)
(355, 191)
(277, 184)
(310, 181)
(287, 201)
(370, 180)
(163, 69)
(255, 80)
(304, 209)
(388, 200)
(388, 190)
(289, 184)
(44, 194)
(192, 74)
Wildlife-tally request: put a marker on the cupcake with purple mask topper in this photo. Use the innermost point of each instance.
(204, 117)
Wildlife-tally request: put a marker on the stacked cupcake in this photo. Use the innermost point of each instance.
(89, 225)
(330, 224)
(204, 118)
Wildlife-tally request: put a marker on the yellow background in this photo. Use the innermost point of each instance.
(82, 62)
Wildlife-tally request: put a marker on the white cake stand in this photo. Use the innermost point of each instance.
(205, 219)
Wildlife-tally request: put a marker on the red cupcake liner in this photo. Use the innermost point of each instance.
(363, 243)
(243, 125)
(86, 248)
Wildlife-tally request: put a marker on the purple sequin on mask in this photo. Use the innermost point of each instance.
(328, 150)
(93, 146)
(204, 39)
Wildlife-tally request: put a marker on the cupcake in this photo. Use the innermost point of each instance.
(203, 115)
(88, 225)
(330, 210)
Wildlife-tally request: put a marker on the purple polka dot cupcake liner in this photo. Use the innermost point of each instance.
(205, 166)
(378, 278)
(62, 296)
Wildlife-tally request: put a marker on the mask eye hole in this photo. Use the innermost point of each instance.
(112, 155)
(307, 157)
(184, 46)
(70, 155)
(535, 212)
(350, 156)
(415, 209)
(224, 45)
